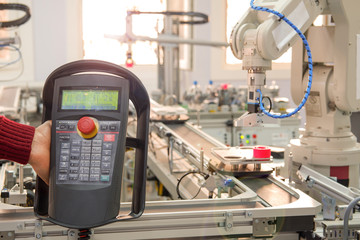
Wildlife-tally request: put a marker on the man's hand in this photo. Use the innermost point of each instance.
(40, 151)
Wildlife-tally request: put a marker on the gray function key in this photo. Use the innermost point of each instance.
(85, 156)
(65, 151)
(104, 127)
(86, 143)
(85, 164)
(106, 158)
(107, 152)
(95, 171)
(96, 150)
(62, 177)
(107, 146)
(97, 143)
(74, 163)
(84, 177)
(64, 158)
(84, 170)
(64, 137)
(73, 176)
(95, 156)
(75, 156)
(112, 127)
(64, 165)
(76, 143)
(95, 163)
(75, 150)
(85, 149)
(94, 177)
(65, 145)
(105, 165)
(74, 170)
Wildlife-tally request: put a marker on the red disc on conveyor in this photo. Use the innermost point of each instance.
(261, 152)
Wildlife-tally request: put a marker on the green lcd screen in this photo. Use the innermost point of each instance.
(90, 100)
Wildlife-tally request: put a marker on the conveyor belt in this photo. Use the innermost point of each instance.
(271, 193)
(198, 141)
(193, 138)
(216, 205)
(267, 190)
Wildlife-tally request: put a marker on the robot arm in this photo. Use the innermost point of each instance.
(260, 37)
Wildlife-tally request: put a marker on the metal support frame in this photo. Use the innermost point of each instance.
(326, 185)
(173, 219)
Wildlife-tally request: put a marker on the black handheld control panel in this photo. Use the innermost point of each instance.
(87, 128)
(85, 161)
(89, 114)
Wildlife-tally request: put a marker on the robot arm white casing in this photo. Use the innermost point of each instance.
(342, 50)
(273, 36)
(260, 37)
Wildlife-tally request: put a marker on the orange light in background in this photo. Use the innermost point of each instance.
(129, 62)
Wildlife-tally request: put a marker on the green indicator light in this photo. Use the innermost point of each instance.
(248, 136)
(247, 141)
(242, 137)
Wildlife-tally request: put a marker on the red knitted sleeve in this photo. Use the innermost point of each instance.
(15, 140)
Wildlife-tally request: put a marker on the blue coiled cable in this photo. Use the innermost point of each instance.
(2, 65)
(307, 47)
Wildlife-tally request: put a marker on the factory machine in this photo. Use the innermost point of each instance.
(208, 195)
(214, 195)
(216, 108)
(235, 192)
(326, 82)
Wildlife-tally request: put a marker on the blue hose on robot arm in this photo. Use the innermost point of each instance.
(307, 47)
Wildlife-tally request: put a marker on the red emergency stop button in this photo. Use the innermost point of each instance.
(87, 127)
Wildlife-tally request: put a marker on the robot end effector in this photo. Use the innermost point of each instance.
(264, 33)
(255, 64)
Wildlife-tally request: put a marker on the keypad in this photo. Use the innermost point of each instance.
(65, 152)
(86, 160)
(64, 164)
(113, 127)
(65, 145)
(64, 137)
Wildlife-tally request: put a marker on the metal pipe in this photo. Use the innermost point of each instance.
(290, 167)
(202, 160)
(162, 39)
(21, 178)
(171, 155)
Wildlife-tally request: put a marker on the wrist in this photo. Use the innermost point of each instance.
(15, 140)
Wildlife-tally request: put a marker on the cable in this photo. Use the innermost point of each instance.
(12, 62)
(17, 22)
(307, 47)
(206, 176)
(19, 59)
(270, 102)
(204, 17)
(347, 216)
